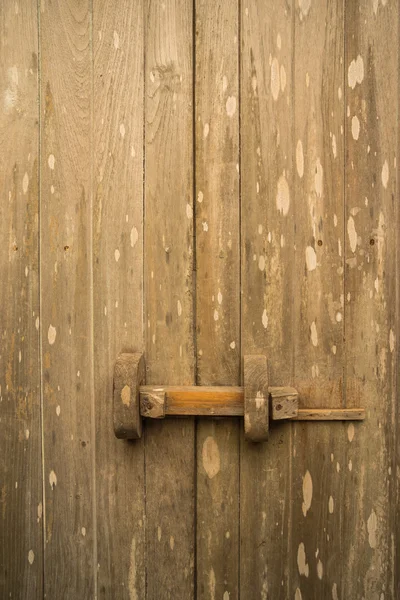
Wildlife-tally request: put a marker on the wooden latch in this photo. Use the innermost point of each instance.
(258, 402)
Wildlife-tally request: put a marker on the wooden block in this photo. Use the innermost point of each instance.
(152, 403)
(284, 403)
(256, 409)
(129, 373)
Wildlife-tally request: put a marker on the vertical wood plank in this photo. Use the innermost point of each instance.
(66, 298)
(168, 278)
(21, 543)
(319, 295)
(267, 209)
(371, 76)
(217, 291)
(118, 285)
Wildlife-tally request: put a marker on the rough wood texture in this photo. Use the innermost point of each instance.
(168, 247)
(66, 299)
(152, 404)
(319, 295)
(217, 289)
(129, 374)
(21, 543)
(256, 398)
(118, 52)
(372, 334)
(284, 403)
(332, 414)
(267, 199)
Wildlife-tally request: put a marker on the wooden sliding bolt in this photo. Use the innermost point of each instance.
(257, 401)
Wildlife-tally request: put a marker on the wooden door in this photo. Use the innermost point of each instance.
(198, 181)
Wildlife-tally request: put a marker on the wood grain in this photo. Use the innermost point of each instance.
(217, 289)
(66, 299)
(371, 203)
(169, 288)
(118, 121)
(267, 199)
(318, 149)
(21, 540)
(256, 398)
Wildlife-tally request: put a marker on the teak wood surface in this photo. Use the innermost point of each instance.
(199, 181)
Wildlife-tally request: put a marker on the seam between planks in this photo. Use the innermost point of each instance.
(91, 283)
(240, 73)
(39, 80)
(144, 20)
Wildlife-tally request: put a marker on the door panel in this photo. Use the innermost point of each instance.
(169, 293)
(198, 181)
(216, 209)
(267, 255)
(117, 229)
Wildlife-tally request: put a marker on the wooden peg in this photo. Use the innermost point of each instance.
(256, 398)
(129, 374)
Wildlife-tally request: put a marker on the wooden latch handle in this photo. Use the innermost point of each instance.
(258, 402)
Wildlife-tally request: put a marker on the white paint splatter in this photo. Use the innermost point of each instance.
(300, 158)
(211, 457)
(391, 340)
(171, 542)
(330, 505)
(134, 236)
(117, 255)
(335, 592)
(275, 79)
(232, 345)
(216, 315)
(314, 334)
(305, 6)
(230, 106)
(189, 211)
(311, 258)
(307, 492)
(356, 72)
(25, 183)
(31, 557)
(320, 569)
(385, 174)
(283, 195)
(283, 78)
(179, 308)
(297, 594)
(122, 130)
(355, 127)
(51, 161)
(206, 130)
(319, 177)
(219, 297)
(200, 197)
(351, 231)
(83, 531)
(58, 410)
(302, 561)
(52, 480)
(372, 526)
(205, 226)
(261, 263)
(350, 432)
(334, 146)
(51, 334)
(264, 319)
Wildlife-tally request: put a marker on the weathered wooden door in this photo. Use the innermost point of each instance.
(198, 181)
